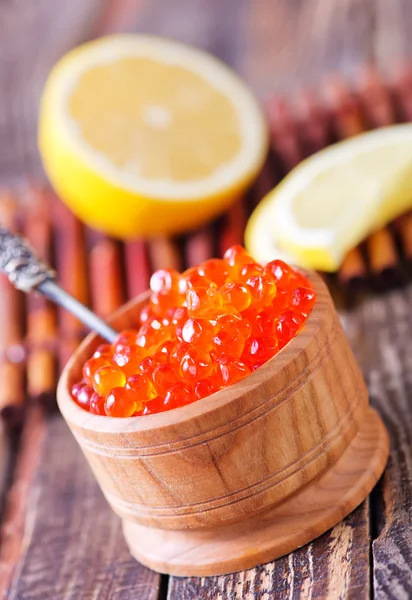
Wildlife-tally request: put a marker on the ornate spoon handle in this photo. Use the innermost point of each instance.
(29, 274)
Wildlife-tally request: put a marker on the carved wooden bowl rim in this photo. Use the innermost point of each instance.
(232, 394)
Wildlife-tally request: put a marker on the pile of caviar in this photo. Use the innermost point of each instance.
(202, 330)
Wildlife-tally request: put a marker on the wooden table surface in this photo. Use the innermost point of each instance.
(54, 548)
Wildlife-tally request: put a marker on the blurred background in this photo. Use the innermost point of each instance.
(278, 45)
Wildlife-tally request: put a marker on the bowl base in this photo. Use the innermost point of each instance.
(284, 528)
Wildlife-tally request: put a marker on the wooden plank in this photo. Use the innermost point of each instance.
(297, 43)
(33, 37)
(329, 568)
(212, 25)
(13, 518)
(73, 545)
(380, 331)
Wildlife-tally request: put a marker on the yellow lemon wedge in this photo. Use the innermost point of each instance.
(332, 200)
(143, 136)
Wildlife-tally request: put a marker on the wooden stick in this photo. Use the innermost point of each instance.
(284, 133)
(41, 316)
(164, 254)
(403, 226)
(266, 180)
(352, 273)
(375, 96)
(199, 247)
(137, 268)
(314, 122)
(13, 529)
(346, 113)
(402, 91)
(12, 391)
(383, 258)
(347, 122)
(106, 281)
(71, 268)
(233, 226)
(379, 108)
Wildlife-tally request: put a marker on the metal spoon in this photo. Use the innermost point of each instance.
(30, 274)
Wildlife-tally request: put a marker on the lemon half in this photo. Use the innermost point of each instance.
(143, 136)
(334, 199)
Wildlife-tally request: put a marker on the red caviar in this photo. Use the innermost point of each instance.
(201, 331)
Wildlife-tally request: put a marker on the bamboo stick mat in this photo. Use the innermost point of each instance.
(36, 339)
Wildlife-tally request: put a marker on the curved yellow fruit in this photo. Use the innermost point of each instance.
(167, 148)
(331, 201)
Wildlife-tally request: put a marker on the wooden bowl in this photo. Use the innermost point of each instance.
(247, 474)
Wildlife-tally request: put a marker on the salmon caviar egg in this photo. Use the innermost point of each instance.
(178, 352)
(141, 387)
(302, 299)
(92, 365)
(97, 404)
(237, 295)
(167, 347)
(204, 388)
(280, 271)
(215, 270)
(164, 280)
(193, 278)
(180, 317)
(228, 309)
(284, 275)
(129, 359)
(151, 336)
(263, 290)
(154, 406)
(199, 331)
(259, 349)
(263, 322)
(178, 395)
(148, 364)
(103, 350)
(236, 257)
(84, 396)
(167, 318)
(230, 370)
(281, 301)
(203, 303)
(146, 315)
(252, 318)
(286, 326)
(76, 387)
(250, 270)
(165, 376)
(227, 343)
(160, 302)
(106, 378)
(125, 338)
(196, 364)
(119, 402)
(234, 324)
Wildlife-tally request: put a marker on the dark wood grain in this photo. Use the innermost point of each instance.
(332, 567)
(73, 543)
(34, 35)
(380, 331)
